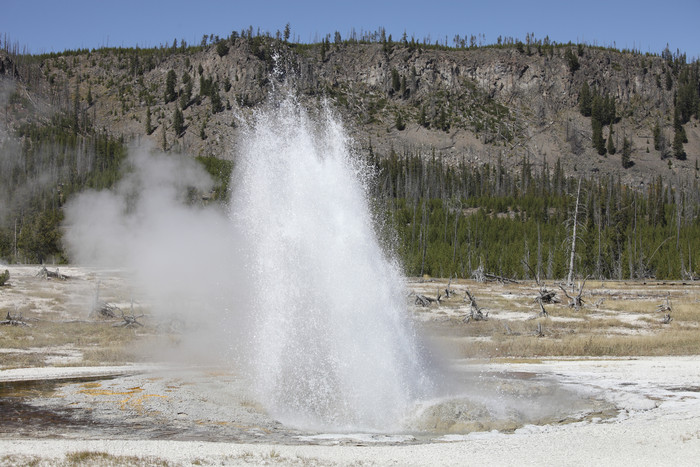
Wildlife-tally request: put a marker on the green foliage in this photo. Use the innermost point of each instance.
(585, 100)
(186, 95)
(220, 170)
(400, 125)
(210, 88)
(678, 149)
(52, 165)
(170, 83)
(658, 136)
(149, 126)
(449, 220)
(611, 145)
(571, 60)
(598, 140)
(4, 277)
(422, 118)
(222, 48)
(395, 80)
(687, 100)
(626, 158)
(178, 123)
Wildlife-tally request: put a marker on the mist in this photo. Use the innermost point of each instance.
(176, 252)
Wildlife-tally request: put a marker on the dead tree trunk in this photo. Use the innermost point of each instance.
(448, 290)
(575, 302)
(422, 300)
(476, 313)
(569, 280)
(545, 296)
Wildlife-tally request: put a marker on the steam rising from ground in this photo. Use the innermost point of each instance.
(178, 253)
(294, 275)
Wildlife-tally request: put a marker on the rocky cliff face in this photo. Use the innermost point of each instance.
(475, 105)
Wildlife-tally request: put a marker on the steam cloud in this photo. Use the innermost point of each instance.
(178, 254)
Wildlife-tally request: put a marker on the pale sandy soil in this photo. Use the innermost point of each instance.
(546, 411)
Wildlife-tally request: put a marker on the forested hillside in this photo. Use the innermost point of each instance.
(479, 149)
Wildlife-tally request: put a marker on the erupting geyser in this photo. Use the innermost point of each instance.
(330, 343)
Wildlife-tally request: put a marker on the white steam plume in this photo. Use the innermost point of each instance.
(178, 255)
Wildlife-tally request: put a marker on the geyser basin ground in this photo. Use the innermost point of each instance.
(216, 405)
(167, 416)
(616, 410)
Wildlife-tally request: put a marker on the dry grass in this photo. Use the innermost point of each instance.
(90, 458)
(665, 343)
(51, 333)
(618, 319)
(99, 342)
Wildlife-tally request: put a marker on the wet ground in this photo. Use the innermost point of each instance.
(217, 406)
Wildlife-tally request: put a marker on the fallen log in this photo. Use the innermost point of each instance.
(102, 308)
(13, 320)
(423, 300)
(106, 310)
(46, 274)
(501, 279)
(547, 296)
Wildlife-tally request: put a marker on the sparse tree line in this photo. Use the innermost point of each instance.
(601, 108)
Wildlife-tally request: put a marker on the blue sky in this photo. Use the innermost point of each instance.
(646, 25)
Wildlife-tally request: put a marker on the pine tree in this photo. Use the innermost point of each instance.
(221, 48)
(626, 153)
(149, 126)
(657, 137)
(395, 80)
(178, 122)
(571, 60)
(170, 82)
(216, 104)
(400, 125)
(186, 95)
(598, 140)
(611, 145)
(164, 142)
(678, 150)
(584, 100)
(422, 118)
